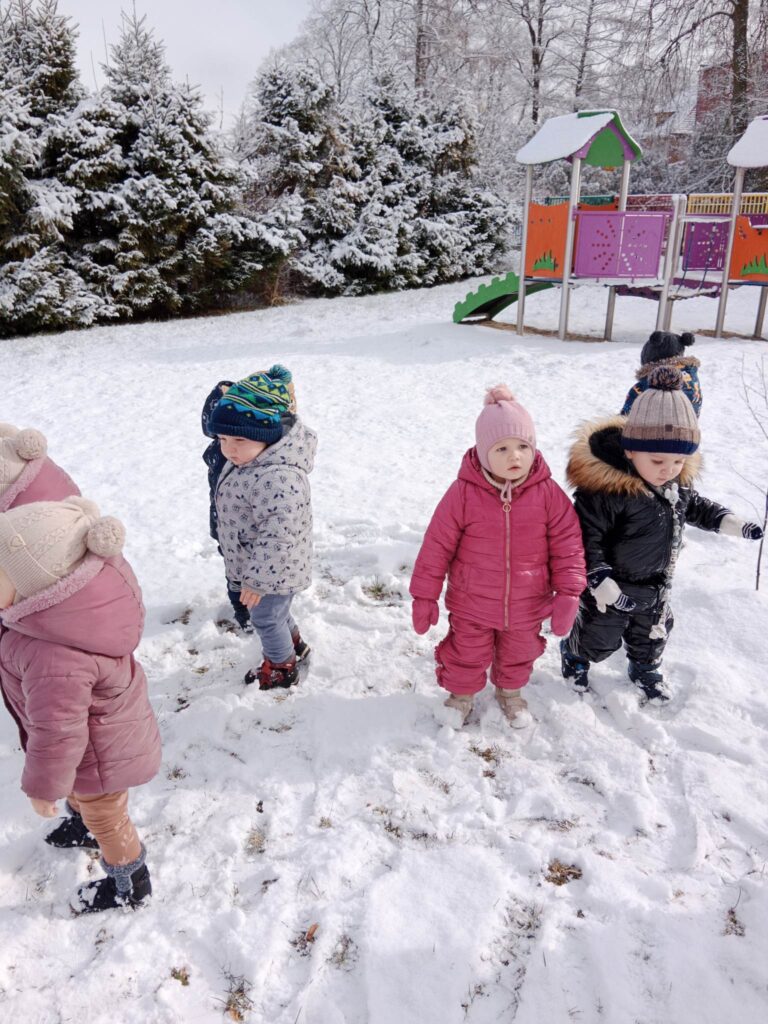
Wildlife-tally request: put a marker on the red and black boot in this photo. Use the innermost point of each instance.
(300, 649)
(270, 674)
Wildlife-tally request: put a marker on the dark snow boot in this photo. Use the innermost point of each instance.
(301, 649)
(126, 887)
(574, 668)
(650, 682)
(270, 675)
(72, 832)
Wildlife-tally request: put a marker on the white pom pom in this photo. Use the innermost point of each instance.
(106, 537)
(30, 444)
(8, 430)
(500, 393)
(88, 507)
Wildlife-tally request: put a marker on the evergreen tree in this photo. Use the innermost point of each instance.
(157, 231)
(38, 85)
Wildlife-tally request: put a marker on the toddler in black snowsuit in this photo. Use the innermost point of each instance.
(666, 349)
(634, 478)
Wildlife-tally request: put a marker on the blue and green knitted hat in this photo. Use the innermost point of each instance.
(252, 407)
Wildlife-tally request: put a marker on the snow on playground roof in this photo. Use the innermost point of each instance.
(583, 134)
(752, 148)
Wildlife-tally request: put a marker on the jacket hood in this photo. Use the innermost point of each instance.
(97, 608)
(295, 448)
(597, 461)
(683, 361)
(472, 472)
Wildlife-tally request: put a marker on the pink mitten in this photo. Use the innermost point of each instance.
(564, 609)
(424, 613)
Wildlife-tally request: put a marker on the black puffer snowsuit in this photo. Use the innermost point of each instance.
(629, 528)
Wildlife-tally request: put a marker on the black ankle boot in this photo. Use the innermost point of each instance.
(574, 668)
(104, 894)
(72, 833)
(650, 682)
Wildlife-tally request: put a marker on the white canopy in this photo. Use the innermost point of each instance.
(752, 148)
(560, 137)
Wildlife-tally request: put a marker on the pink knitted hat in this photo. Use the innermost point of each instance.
(502, 416)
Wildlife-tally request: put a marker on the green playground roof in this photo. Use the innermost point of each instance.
(597, 136)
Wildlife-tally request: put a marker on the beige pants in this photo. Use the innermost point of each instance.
(106, 817)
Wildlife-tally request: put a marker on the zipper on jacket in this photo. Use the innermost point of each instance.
(506, 507)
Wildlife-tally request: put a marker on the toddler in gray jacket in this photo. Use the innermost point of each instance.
(264, 513)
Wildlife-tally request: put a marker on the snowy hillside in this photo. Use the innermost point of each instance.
(341, 854)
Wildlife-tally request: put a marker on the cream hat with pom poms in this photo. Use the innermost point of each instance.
(43, 542)
(17, 448)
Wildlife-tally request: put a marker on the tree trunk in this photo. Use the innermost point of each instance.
(582, 66)
(740, 68)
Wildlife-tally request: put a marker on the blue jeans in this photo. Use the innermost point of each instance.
(274, 623)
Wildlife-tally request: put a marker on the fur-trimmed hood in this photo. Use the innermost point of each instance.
(597, 462)
(682, 362)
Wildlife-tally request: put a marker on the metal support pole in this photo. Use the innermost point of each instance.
(568, 257)
(523, 249)
(664, 312)
(738, 186)
(761, 312)
(623, 191)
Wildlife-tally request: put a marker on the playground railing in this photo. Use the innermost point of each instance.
(720, 203)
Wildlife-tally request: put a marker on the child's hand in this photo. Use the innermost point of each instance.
(564, 610)
(45, 808)
(609, 592)
(736, 527)
(424, 614)
(249, 598)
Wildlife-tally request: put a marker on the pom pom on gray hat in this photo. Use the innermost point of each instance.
(665, 378)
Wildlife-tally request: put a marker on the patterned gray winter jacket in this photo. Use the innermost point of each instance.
(264, 511)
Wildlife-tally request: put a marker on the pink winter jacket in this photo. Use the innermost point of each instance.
(40, 480)
(503, 562)
(68, 671)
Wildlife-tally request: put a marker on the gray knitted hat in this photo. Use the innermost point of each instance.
(45, 541)
(662, 419)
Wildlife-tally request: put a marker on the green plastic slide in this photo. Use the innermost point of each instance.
(490, 299)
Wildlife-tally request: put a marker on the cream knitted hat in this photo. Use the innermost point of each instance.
(45, 541)
(17, 448)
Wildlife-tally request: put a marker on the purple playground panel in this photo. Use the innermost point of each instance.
(704, 244)
(614, 244)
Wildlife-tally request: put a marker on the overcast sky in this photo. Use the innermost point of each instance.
(217, 45)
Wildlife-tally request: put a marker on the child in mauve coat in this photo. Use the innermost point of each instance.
(72, 618)
(27, 475)
(666, 349)
(264, 514)
(509, 541)
(634, 479)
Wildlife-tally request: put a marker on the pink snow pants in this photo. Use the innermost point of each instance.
(466, 652)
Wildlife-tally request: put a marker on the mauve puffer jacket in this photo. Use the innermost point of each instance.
(68, 671)
(503, 562)
(40, 480)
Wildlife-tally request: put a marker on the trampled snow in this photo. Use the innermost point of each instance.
(425, 855)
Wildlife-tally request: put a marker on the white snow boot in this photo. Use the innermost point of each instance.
(461, 702)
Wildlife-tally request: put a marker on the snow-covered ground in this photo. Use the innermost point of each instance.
(418, 857)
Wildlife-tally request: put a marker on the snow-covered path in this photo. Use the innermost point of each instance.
(425, 856)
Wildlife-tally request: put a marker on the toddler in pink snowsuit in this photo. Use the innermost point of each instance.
(509, 541)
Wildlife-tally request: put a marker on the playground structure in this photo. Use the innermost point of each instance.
(664, 247)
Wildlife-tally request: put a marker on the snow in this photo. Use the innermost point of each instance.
(752, 148)
(560, 137)
(421, 851)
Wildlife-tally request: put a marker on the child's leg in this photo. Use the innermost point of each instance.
(514, 653)
(645, 652)
(596, 635)
(463, 656)
(272, 620)
(106, 817)
(242, 615)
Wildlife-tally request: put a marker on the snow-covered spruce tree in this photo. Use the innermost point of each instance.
(423, 219)
(38, 86)
(156, 230)
(290, 143)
